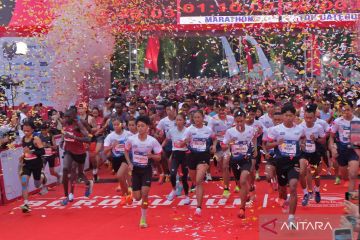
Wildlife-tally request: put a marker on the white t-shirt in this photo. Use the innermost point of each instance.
(141, 149)
(219, 126)
(323, 124)
(266, 121)
(318, 132)
(200, 138)
(342, 126)
(165, 124)
(120, 139)
(291, 137)
(176, 137)
(242, 141)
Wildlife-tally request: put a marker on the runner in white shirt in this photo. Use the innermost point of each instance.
(256, 124)
(311, 154)
(270, 168)
(324, 148)
(285, 139)
(177, 136)
(219, 124)
(202, 142)
(241, 140)
(267, 119)
(345, 155)
(162, 128)
(114, 148)
(143, 149)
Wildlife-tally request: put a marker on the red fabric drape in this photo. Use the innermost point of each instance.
(152, 54)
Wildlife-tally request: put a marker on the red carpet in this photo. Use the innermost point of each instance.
(101, 216)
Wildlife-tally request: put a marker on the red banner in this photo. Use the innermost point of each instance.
(152, 54)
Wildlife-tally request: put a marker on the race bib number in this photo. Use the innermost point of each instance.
(198, 144)
(288, 148)
(310, 146)
(29, 156)
(140, 159)
(240, 148)
(346, 134)
(48, 152)
(178, 144)
(119, 148)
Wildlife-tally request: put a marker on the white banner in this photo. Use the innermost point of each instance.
(230, 19)
(329, 17)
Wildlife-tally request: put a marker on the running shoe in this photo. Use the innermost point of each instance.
(89, 188)
(65, 201)
(187, 200)
(25, 208)
(241, 213)
(226, 193)
(208, 177)
(237, 189)
(337, 181)
(71, 197)
(43, 190)
(172, 195)
(198, 212)
(317, 197)
(305, 200)
(257, 176)
(143, 223)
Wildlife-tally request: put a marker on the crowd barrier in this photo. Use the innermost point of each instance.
(10, 186)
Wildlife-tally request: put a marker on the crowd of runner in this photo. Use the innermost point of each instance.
(296, 129)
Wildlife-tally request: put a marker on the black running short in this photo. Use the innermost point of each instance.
(33, 167)
(50, 160)
(117, 161)
(345, 155)
(287, 169)
(237, 166)
(196, 158)
(314, 159)
(78, 158)
(141, 177)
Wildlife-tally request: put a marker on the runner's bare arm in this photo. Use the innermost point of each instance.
(86, 137)
(155, 157)
(40, 147)
(272, 143)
